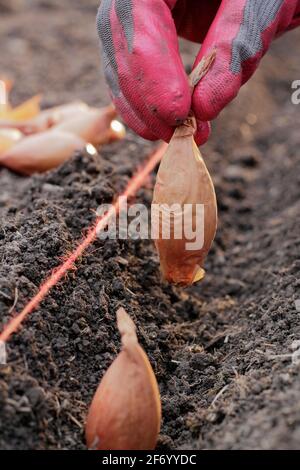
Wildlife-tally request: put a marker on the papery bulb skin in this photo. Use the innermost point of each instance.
(184, 180)
(125, 413)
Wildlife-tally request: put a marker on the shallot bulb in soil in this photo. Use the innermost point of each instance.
(41, 152)
(94, 125)
(183, 180)
(125, 413)
(51, 117)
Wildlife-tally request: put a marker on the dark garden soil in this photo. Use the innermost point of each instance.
(216, 347)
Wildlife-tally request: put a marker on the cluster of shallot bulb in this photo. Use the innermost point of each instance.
(34, 141)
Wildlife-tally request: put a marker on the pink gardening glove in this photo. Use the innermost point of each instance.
(144, 70)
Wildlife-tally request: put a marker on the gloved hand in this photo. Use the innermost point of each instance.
(144, 70)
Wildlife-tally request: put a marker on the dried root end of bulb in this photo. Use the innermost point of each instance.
(118, 131)
(125, 413)
(199, 276)
(182, 275)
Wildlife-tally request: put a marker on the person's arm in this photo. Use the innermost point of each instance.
(143, 66)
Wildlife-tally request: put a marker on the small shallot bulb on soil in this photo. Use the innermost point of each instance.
(52, 117)
(125, 413)
(94, 125)
(41, 152)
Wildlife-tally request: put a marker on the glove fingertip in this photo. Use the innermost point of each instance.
(203, 132)
(214, 93)
(174, 105)
(131, 119)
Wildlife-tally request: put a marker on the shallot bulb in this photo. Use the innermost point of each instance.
(125, 413)
(41, 152)
(94, 125)
(183, 194)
